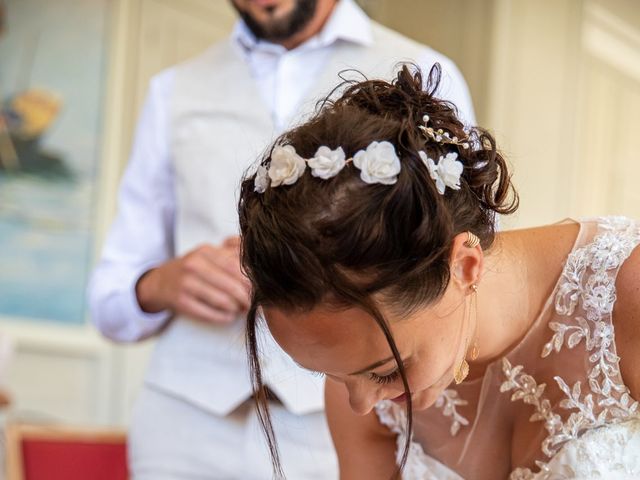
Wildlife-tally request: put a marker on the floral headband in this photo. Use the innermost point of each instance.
(378, 163)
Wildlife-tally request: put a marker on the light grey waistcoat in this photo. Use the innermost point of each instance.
(220, 126)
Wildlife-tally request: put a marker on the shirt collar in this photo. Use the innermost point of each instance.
(347, 22)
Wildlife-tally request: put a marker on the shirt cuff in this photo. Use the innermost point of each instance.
(143, 324)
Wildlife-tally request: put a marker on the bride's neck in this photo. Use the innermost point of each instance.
(507, 304)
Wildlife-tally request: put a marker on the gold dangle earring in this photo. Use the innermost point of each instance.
(475, 351)
(472, 242)
(462, 370)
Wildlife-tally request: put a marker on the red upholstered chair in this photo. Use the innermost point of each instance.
(36, 452)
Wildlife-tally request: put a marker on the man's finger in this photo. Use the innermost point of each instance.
(217, 278)
(194, 308)
(212, 296)
(228, 259)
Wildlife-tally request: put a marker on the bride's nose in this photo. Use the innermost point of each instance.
(362, 397)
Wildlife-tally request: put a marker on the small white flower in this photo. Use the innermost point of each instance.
(327, 163)
(379, 163)
(446, 173)
(261, 182)
(286, 166)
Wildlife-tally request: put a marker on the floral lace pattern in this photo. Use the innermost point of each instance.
(448, 401)
(526, 389)
(588, 281)
(419, 465)
(610, 452)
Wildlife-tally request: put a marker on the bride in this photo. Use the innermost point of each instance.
(450, 350)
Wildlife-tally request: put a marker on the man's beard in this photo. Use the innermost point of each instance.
(282, 28)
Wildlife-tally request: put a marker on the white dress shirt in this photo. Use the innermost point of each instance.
(141, 236)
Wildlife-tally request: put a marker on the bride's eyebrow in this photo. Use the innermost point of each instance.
(374, 365)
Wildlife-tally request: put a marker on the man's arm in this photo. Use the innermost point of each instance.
(141, 236)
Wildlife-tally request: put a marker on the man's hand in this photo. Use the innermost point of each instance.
(206, 283)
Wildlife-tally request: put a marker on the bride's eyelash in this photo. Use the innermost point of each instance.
(384, 379)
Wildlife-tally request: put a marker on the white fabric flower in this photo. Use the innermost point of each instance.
(327, 163)
(446, 173)
(286, 166)
(261, 182)
(379, 163)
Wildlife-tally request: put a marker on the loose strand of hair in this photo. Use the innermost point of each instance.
(260, 393)
(352, 294)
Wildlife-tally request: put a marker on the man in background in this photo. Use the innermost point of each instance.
(170, 264)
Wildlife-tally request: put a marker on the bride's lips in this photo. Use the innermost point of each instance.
(400, 398)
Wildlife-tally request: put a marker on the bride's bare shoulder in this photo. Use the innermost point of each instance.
(365, 447)
(559, 237)
(546, 248)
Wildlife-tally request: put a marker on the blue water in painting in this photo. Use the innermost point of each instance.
(44, 249)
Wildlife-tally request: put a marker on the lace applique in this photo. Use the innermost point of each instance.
(419, 465)
(527, 389)
(448, 401)
(608, 452)
(560, 433)
(588, 281)
(608, 250)
(545, 473)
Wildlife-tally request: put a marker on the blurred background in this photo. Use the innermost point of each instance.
(557, 81)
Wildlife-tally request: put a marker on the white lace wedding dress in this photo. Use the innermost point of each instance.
(555, 406)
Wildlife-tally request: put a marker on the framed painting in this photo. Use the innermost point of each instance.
(52, 77)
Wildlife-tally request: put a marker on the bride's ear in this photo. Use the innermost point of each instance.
(466, 262)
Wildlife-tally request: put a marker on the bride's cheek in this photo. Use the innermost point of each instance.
(418, 380)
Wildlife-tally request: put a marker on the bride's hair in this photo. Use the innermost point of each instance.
(338, 241)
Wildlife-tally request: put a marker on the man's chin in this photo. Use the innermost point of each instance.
(269, 13)
(275, 22)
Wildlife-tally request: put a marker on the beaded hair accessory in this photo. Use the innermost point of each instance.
(378, 163)
(441, 136)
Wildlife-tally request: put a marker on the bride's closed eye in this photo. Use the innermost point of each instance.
(384, 379)
(381, 379)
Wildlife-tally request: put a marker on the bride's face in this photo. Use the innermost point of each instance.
(349, 347)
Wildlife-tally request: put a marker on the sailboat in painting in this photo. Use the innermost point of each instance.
(24, 119)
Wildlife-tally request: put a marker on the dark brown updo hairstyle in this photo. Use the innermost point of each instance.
(339, 241)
